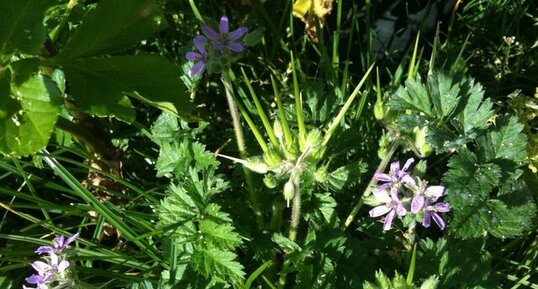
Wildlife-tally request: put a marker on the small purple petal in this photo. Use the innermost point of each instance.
(237, 33)
(199, 42)
(223, 25)
(379, 211)
(193, 56)
(41, 267)
(442, 207)
(382, 187)
(394, 194)
(44, 249)
(407, 164)
(400, 210)
(63, 266)
(210, 33)
(218, 46)
(435, 191)
(235, 47)
(417, 203)
(427, 219)
(382, 177)
(395, 167)
(35, 279)
(439, 221)
(59, 242)
(387, 224)
(198, 67)
(407, 179)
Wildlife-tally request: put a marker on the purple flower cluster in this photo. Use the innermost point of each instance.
(54, 270)
(214, 43)
(401, 194)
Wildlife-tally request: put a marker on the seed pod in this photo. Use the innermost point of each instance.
(272, 158)
(277, 128)
(420, 141)
(270, 181)
(379, 111)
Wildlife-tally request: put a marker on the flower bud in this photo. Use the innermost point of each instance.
(321, 174)
(420, 141)
(272, 158)
(314, 144)
(379, 111)
(270, 181)
(289, 191)
(256, 166)
(277, 128)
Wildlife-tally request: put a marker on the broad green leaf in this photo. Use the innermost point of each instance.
(21, 25)
(28, 119)
(113, 26)
(99, 82)
(413, 96)
(285, 243)
(506, 142)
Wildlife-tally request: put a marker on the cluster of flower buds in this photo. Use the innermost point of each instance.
(212, 44)
(53, 273)
(403, 195)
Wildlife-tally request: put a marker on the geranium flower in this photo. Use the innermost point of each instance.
(225, 39)
(392, 206)
(422, 193)
(395, 175)
(431, 212)
(58, 245)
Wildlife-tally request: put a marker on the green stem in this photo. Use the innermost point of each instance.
(334, 124)
(382, 165)
(283, 120)
(253, 195)
(298, 102)
(58, 31)
(295, 212)
(411, 272)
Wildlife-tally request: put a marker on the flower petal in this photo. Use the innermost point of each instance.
(401, 210)
(193, 56)
(439, 221)
(199, 42)
(198, 67)
(210, 33)
(417, 203)
(382, 196)
(387, 224)
(379, 211)
(442, 207)
(35, 279)
(435, 191)
(44, 249)
(235, 47)
(224, 27)
(63, 266)
(41, 267)
(427, 219)
(394, 167)
(407, 164)
(58, 242)
(237, 33)
(383, 177)
(408, 180)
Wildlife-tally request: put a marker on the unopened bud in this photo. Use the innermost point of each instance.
(289, 191)
(277, 128)
(420, 141)
(321, 174)
(269, 180)
(272, 158)
(379, 111)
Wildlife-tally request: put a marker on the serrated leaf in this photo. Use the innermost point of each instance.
(221, 236)
(285, 243)
(476, 111)
(413, 96)
(113, 26)
(100, 81)
(22, 27)
(444, 94)
(216, 263)
(28, 119)
(506, 142)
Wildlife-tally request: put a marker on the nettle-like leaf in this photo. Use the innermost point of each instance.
(22, 27)
(204, 234)
(458, 263)
(28, 115)
(483, 188)
(452, 108)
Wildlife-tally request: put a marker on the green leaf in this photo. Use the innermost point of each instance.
(444, 95)
(113, 26)
(28, 119)
(22, 26)
(216, 263)
(285, 243)
(413, 96)
(221, 236)
(100, 82)
(506, 141)
(476, 113)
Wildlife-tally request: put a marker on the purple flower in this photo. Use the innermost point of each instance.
(225, 39)
(422, 193)
(58, 245)
(394, 177)
(431, 212)
(392, 205)
(199, 58)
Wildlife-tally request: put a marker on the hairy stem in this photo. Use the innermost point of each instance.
(382, 165)
(253, 195)
(295, 212)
